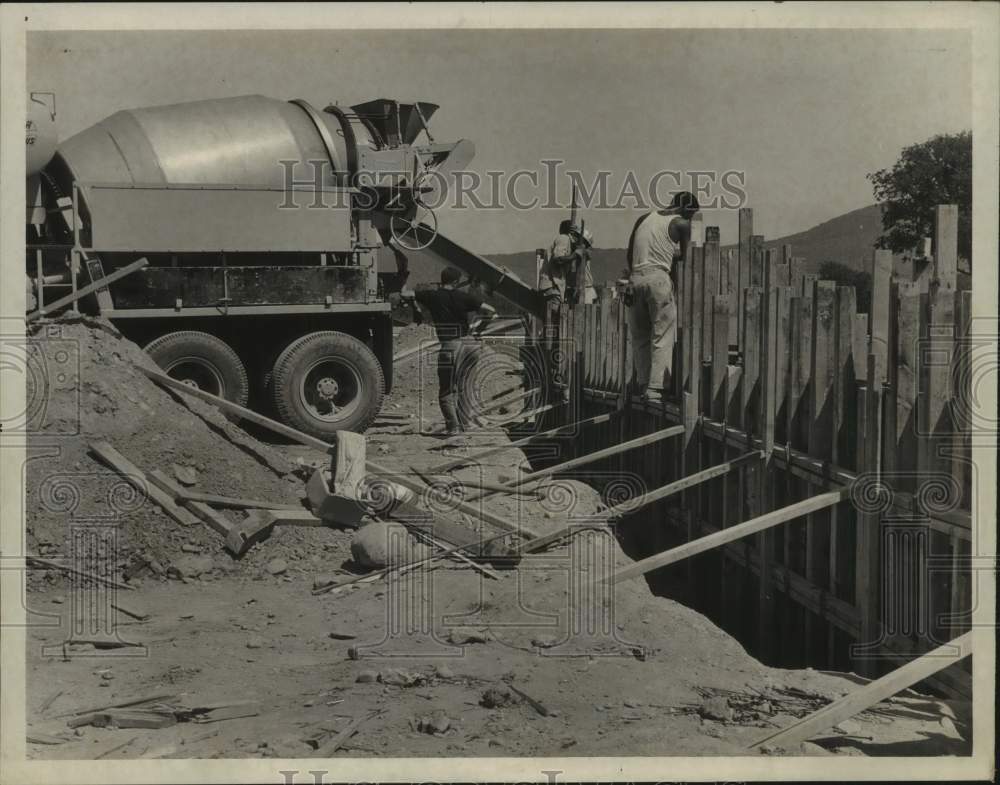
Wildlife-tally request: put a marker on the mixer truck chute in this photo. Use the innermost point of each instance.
(262, 221)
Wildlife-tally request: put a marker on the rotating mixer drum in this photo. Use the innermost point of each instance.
(243, 141)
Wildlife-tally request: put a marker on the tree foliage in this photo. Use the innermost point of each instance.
(848, 276)
(938, 171)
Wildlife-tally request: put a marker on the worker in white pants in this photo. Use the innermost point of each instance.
(658, 239)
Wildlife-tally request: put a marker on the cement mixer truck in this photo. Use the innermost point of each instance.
(261, 222)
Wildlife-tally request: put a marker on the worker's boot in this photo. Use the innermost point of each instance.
(450, 414)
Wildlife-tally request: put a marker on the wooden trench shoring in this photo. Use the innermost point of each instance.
(778, 373)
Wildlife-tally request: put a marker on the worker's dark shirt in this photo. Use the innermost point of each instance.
(449, 310)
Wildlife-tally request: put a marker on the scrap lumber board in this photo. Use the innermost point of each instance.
(239, 411)
(415, 518)
(134, 476)
(870, 694)
(206, 514)
(462, 506)
(235, 502)
(156, 696)
(319, 444)
(136, 613)
(90, 288)
(426, 538)
(337, 741)
(54, 565)
(562, 429)
(753, 526)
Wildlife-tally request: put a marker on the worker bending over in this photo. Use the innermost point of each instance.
(658, 239)
(449, 308)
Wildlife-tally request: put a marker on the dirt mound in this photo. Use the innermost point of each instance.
(99, 394)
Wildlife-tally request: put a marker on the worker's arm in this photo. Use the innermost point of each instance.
(631, 240)
(680, 233)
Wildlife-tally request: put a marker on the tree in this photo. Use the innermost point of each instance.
(848, 276)
(938, 171)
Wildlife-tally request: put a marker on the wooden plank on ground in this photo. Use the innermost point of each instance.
(235, 502)
(870, 694)
(753, 526)
(138, 480)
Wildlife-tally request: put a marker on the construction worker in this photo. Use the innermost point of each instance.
(584, 242)
(449, 310)
(568, 265)
(658, 238)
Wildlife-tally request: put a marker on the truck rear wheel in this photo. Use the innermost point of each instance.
(203, 361)
(326, 382)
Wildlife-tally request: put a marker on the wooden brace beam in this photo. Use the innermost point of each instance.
(753, 526)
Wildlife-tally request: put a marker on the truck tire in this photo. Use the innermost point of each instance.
(204, 361)
(326, 382)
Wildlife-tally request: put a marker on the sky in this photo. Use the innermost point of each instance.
(804, 115)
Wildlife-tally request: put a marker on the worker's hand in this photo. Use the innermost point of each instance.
(407, 295)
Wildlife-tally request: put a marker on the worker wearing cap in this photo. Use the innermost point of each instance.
(658, 239)
(449, 309)
(568, 263)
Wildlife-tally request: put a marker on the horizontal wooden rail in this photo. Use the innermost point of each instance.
(607, 452)
(90, 288)
(633, 505)
(753, 526)
(857, 701)
(473, 457)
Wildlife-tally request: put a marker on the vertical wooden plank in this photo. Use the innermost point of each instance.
(962, 386)
(719, 356)
(934, 414)
(710, 287)
(694, 322)
(783, 353)
(606, 349)
(682, 362)
(821, 429)
(800, 373)
(765, 540)
(880, 310)
(733, 290)
(844, 398)
(751, 359)
(786, 256)
(797, 272)
(580, 344)
(946, 245)
(743, 265)
(757, 260)
(860, 350)
(910, 323)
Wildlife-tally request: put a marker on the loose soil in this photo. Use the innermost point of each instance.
(515, 666)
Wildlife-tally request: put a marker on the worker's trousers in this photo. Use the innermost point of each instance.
(456, 362)
(653, 325)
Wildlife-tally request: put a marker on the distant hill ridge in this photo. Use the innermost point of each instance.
(848, 239)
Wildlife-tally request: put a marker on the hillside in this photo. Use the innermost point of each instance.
(848, 239)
